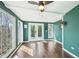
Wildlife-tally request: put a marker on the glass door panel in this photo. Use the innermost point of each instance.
(50, 31)
(39, 31)
(33, 31)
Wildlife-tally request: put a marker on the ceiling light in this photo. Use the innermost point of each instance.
(41, 8)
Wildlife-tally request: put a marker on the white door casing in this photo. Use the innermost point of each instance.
(36, 37)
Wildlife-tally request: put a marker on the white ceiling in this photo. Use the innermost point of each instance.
(29, 12)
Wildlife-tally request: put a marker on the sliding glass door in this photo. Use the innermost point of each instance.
(7, 33)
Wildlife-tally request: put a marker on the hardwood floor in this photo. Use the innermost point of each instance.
(40, 49)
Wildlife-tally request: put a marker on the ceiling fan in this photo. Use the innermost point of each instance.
(41, 4)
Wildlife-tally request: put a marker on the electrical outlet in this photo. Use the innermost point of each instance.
(72, 48)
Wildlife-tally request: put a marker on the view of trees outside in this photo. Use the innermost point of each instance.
(5, 33)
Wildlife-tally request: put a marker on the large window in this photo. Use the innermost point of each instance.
(20, 31)
(7, 28)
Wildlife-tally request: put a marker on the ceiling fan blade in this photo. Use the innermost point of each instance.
(48, 2)
(32, 2)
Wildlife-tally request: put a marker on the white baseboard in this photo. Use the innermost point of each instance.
(58, 41)
(55, 40)
(32, 41)
(70, 53)
(67, 50)
(15, 50)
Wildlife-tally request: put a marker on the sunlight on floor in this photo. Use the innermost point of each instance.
(16, 56)
(27, 50)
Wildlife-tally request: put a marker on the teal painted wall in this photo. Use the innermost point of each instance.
(57, 31)
(25, 32)
(45, 30)
(71, 31)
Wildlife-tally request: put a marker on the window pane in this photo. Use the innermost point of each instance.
(39, 31)
(6, 36)
(0, 41)
(32, 30)
(0, 33)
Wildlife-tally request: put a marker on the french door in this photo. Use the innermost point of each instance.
(36, 31)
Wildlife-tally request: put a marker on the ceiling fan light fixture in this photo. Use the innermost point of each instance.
(41, 8)
(41, 4)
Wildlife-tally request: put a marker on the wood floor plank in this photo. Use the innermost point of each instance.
(40, 49)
